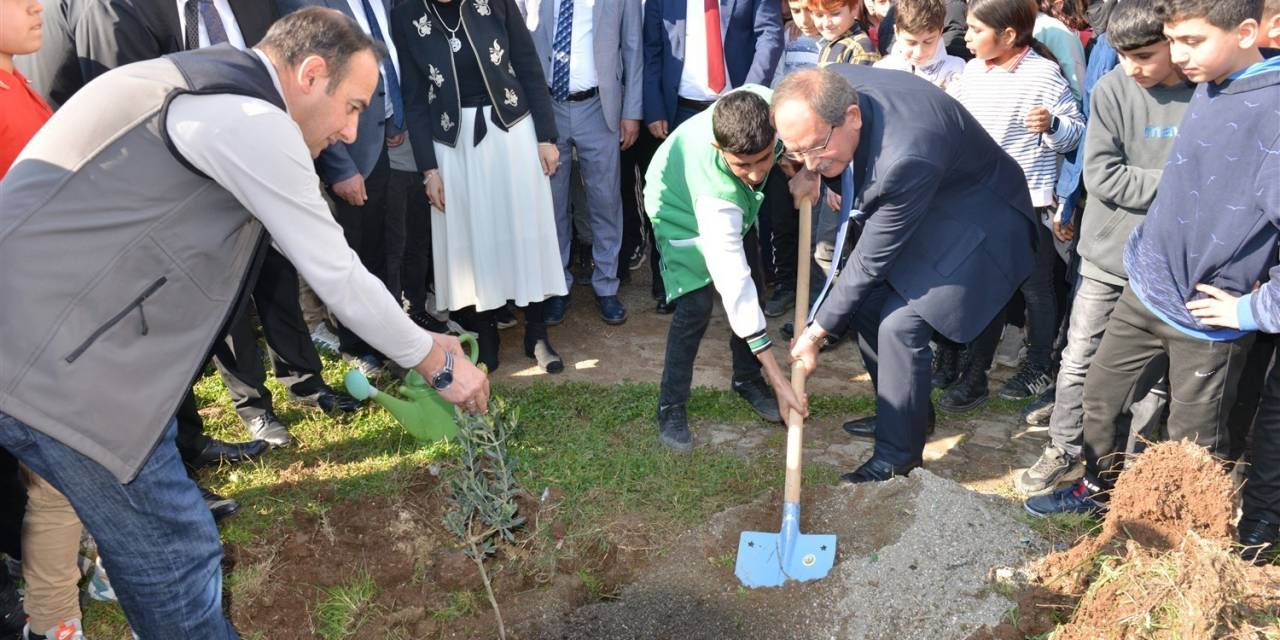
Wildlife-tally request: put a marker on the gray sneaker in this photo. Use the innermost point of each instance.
(1044, 475)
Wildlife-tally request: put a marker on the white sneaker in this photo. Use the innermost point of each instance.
(66, 630)
(100, 585)
(324, 338)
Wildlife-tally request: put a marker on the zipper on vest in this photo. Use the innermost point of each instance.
(135, 304)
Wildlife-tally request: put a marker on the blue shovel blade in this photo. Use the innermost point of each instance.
(761, 564)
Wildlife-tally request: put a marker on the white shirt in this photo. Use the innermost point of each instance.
(234, 37)
(720, 241)
(582, 57)
(257, 152)
(357, 9)
(693, 78)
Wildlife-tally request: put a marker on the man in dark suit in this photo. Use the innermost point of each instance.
(947, 232)
(357, 175)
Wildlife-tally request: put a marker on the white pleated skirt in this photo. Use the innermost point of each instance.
(496, 241)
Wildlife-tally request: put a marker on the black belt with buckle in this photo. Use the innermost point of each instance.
(585, 94)
(697, 105)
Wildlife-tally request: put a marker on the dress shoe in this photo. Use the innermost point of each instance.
(611, 310)
(328, 401)
(546, 356)
(216, 451)
(553, 310)
(866, 427)
(878, 470)
(673, 428)
(268, 427)
(760, 397)
(221, 508)
(665, 308)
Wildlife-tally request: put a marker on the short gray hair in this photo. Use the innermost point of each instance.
(826, 92)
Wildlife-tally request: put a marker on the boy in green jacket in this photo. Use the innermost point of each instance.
(703, 192)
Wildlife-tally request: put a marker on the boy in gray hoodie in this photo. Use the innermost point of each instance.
(1135, 109)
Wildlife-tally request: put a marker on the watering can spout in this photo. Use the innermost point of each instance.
(424, 413)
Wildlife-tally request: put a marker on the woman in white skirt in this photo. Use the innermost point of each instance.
(479, 112)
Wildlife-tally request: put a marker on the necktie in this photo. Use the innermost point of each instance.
(847, 214)
(715, 48)
(560, 51)
(388, 69)
(196, 11)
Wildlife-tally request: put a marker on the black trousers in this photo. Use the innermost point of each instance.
(635, 222)
(689, 325)
(294, 360)
(1262, 489)
(783, 227)
(365, 229)
(1203, 380)
(408, 237)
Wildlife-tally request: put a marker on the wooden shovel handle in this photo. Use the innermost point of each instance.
(795, 422)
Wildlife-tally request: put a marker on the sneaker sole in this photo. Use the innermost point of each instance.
(968, 407)
(614, 322)
(675, 445)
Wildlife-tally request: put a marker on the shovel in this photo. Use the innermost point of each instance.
(770, 559)
(426, 415)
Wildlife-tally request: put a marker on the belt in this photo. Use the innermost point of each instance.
(585, 94)
(698, 105)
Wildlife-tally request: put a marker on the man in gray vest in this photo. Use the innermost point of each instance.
(130, 229)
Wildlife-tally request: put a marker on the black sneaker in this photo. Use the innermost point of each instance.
(783, 298)
(1038, 413)
(1045, 473)
(504, 317)
(969, 393)
(638, 256)
(758, 394)
(1258, 540)
(1030, 380)
(673, 428)
(946, 366)
(428, 322)
(1076, 498)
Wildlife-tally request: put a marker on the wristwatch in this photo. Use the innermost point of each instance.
(1054, 123)
(443, 378)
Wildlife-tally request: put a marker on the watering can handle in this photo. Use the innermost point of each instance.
(471, 346)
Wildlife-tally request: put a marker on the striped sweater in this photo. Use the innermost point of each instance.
(1000, 98)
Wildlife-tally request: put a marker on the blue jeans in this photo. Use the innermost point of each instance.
(157, 538)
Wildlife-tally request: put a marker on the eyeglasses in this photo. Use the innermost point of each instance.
(799, 156)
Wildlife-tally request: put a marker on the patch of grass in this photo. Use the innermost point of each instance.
(594, 585)
(1063, 528)
(461, 604)
(345, 607)
(247, 582)
(723, 561)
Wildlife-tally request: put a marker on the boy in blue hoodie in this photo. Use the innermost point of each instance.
(1203, 265)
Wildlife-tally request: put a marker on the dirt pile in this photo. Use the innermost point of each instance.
(914, 560)
(1162, 567)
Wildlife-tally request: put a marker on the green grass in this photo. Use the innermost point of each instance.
(1064, 528)
(596, 443)
(461, 604)
(344, 607)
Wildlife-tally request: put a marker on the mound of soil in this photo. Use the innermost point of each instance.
(914, 560)
(1162, 567)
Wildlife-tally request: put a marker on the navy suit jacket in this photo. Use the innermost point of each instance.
(340, 160)
(950, 225)
(752, 31)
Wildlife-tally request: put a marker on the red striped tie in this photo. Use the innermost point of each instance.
(715, 49)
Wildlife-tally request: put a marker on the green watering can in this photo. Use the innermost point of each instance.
(425, 414)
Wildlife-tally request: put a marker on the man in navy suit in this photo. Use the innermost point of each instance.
(687, 66)
(947, 232)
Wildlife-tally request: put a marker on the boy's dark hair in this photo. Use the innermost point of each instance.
(741, 123)
(315, 31)
(1223, 14)
(920, 16)
(1133, 25)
